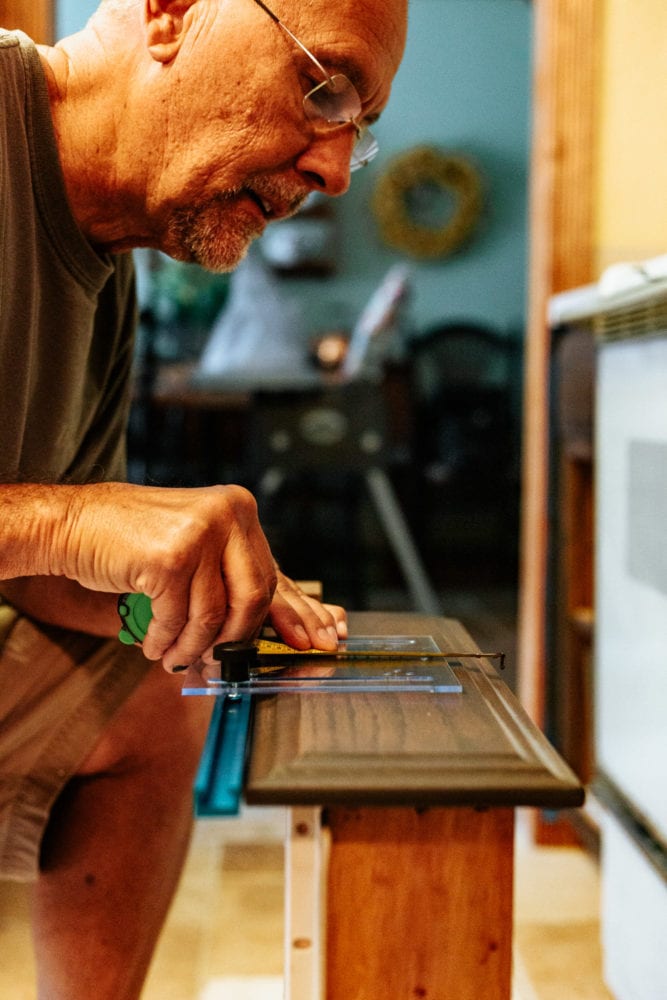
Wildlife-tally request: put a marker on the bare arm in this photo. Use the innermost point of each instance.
(56, 600)
(199, 554)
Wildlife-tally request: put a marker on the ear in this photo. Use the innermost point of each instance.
(165, 27)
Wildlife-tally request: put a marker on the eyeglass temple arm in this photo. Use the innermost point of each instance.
(274, 17)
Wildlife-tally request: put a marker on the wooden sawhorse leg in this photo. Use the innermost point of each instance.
(399, 903)
(419, 904)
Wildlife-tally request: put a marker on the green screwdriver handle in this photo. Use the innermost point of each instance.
(236, 658)
(135, 613)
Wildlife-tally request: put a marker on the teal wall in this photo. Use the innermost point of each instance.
(464, 86)
(71, 15)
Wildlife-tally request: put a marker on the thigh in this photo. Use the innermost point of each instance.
(156, 724)
(58, 692)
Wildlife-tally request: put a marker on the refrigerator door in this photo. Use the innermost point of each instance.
(631, 574)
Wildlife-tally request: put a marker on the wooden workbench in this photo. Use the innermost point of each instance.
(418, 794)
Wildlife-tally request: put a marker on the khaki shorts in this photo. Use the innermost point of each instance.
(58, 690)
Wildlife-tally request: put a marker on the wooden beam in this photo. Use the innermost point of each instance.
(35, 17)
(419, 904)
(567, 51)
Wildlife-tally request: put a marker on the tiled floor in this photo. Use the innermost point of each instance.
(556, 924)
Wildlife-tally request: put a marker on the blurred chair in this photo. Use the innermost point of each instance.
(466, 396)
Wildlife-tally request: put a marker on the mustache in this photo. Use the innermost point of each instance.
(282, 193)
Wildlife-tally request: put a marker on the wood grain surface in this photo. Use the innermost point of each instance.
(475, 748)
(420, 904)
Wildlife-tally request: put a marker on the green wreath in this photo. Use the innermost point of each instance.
(454, 175)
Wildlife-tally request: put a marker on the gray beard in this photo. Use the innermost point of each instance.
(204, 236)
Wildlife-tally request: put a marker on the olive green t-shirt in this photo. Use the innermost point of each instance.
(66, 312)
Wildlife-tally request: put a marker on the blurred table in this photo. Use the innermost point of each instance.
(263, 430)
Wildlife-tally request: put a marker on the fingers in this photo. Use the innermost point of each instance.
(339, 616)
(248, 603)
(215, 614)
(302, 621)
(195, 624)
(224, 596)
(202, 558)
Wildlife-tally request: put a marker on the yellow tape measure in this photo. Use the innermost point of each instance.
(376, 647)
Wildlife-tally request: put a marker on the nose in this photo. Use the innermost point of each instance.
(326, 160)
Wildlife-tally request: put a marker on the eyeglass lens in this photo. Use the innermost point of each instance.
(365, 148)
(336, 100)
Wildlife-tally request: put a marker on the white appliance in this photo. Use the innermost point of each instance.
(628, 312)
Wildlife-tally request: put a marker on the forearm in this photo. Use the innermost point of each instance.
(35, 564)
(33, 520)
(55, 600)
(199, 554)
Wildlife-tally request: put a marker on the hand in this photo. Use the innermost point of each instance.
(199, 554)
(303, 621)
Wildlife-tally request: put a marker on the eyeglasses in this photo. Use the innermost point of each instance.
(335, 101)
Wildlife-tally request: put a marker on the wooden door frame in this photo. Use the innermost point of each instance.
(567, 55)
(35, 17)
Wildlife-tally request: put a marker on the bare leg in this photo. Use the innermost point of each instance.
(115, 845)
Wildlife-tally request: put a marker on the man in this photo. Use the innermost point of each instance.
(185, 125)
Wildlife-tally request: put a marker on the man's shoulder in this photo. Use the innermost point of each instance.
(14, 38)
(9, 39)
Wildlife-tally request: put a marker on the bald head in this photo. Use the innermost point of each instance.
(390, 15)
(189, 132)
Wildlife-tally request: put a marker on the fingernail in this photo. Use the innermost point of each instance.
(327, 635)
(301, 633)
(178, 670)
